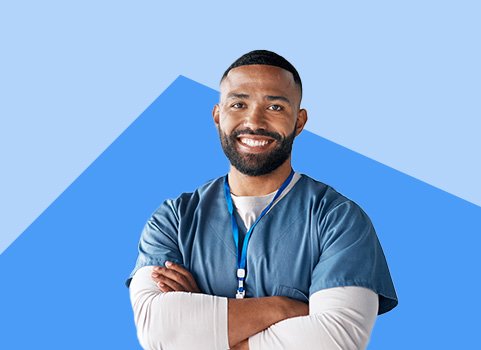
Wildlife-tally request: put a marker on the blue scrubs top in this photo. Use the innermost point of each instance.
(313, 238)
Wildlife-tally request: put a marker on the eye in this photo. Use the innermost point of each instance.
(238, 105)
(276, 108)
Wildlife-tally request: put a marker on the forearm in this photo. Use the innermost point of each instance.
(180, 319)
(177, 320)
(243, 345)
(340, 318)
(247, 317)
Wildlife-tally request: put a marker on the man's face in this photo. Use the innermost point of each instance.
(258, 117)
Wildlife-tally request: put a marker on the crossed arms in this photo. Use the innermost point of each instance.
(170, 313)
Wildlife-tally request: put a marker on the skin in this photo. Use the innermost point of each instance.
(252, 97)
(246, 101)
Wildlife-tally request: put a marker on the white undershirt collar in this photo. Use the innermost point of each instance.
(250, 207)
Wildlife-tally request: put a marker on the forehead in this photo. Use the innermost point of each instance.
(259, 78)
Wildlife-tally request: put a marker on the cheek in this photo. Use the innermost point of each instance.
(282, 126)
(227, 122)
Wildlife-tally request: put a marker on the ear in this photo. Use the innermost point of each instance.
(301, 120)
(215, 115)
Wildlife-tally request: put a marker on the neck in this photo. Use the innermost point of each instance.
(244, 185)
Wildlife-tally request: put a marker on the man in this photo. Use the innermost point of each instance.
(263, 258)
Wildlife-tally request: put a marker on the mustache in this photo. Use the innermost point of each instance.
(259, 132)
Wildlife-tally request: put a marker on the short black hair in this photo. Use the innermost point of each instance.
(268, 58)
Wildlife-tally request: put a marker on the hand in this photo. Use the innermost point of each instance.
(174, 278)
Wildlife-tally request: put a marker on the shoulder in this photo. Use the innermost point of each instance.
(324, 198)
(188, 201)
(339, 219)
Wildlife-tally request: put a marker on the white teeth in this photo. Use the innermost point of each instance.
(253, 143)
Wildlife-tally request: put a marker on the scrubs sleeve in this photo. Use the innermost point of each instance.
(351, 255)
(158, 242)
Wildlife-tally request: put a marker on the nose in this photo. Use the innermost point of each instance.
(255, 118)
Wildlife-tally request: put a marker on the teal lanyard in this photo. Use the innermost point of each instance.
(241, 260)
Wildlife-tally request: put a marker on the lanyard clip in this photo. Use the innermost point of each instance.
(241, 274)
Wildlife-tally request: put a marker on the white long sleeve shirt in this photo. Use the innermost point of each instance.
(339, 318)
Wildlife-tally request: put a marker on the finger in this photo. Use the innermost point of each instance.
(176, 267)
(165, 273)
(176, 276)
(177, 273)
(176, 279)
(162, 271)
(184, 272)
(164, 288)
(156, 270)
(172, 284)
(156, 273)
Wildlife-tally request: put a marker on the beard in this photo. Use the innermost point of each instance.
(257, 164)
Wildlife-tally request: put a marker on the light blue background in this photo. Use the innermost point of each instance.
(396, 82)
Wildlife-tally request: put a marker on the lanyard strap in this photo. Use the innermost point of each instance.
(241, 260)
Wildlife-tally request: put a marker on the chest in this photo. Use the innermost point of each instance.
(282, 252)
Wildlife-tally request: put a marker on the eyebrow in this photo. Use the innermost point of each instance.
(236, 95)
(276, 98)
(268, 97)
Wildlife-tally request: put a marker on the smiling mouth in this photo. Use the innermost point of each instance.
(255, 142)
